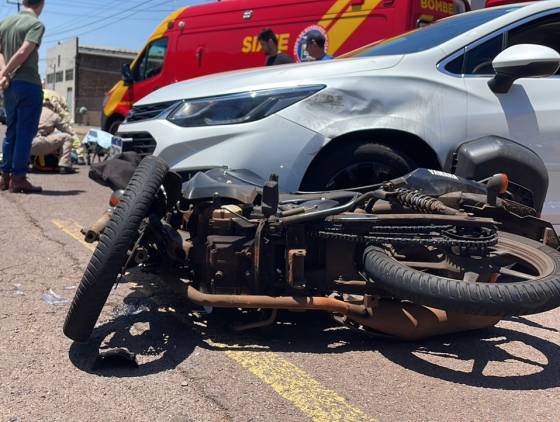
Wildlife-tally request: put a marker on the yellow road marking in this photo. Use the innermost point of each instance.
(72, 229)
(346, 24)
(290, 382)
(295, 385)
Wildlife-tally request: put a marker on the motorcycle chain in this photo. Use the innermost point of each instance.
(435, 237)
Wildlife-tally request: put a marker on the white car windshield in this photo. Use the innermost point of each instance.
(433, 35)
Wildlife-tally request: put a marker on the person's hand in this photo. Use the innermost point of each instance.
(4, 82)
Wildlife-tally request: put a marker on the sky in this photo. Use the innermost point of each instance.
(103, 23)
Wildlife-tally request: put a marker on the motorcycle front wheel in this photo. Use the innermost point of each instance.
(111, 253)
(518, 277)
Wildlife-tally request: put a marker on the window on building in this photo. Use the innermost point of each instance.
(69, 75)
(70, 100)
(59, 76)
(50, 78)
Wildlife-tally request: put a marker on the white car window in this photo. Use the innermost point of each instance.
(478, 59)
(544, 31)
(433, 35)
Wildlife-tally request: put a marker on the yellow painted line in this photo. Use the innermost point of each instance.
(295, 385)
(72, 229)
(290, 382)
(346, 24)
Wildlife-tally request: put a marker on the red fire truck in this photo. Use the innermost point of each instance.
(221, 36)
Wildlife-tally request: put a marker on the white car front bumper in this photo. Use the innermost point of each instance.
(271, 145)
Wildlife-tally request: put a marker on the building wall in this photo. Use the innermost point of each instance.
(96, 75)
(60, 70)
(83, 75)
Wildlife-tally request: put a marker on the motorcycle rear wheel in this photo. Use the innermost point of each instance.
(111, 252)
(527, 280)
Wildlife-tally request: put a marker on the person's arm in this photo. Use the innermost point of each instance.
(63, 126)
(18, 59)
(3, 81)
(30, 44)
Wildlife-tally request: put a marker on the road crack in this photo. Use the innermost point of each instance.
(76, 263)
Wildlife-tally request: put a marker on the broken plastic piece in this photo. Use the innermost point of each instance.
(51, 298)
(17, 289)
(127, 309)
(119, 357)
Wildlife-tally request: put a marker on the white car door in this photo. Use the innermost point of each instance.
(530, 112)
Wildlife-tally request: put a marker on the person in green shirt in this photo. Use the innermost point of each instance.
(20, 38)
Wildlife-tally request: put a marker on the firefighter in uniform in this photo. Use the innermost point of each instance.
(55, 133)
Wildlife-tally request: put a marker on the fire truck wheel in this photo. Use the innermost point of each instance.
(114, 125)
(353, 165)
(110, 255)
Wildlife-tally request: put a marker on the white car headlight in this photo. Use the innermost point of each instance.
(238, 108)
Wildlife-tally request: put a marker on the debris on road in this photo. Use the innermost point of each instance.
(129, 309)
(51, 298)
(119, 357)
(17, 289)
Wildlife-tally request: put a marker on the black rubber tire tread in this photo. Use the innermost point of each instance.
(108, 258)
(326, 166)
(490, 299)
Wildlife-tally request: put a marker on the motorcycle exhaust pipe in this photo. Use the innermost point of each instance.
(406, 321)
(410, 322)
(93, 233)
(272, 302)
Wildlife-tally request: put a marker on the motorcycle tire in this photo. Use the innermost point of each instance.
(522, 297)
(111, 252)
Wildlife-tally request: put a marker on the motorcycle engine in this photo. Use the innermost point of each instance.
(224, 255)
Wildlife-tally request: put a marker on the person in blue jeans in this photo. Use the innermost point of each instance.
(20, 38)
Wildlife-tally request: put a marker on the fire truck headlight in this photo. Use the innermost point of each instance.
(238, 108)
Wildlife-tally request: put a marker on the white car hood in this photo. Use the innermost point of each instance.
(267, 78)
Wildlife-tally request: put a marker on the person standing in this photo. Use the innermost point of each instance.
(316, 46)
(269, 44)
(20, 38)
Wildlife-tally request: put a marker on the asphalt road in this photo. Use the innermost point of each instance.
(195, 368)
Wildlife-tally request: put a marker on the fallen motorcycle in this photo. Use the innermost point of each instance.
(421, 255)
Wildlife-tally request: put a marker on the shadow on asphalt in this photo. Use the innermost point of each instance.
(482, 350)
(170, 331)
(164, 343)
(73, 192)
(528, 322)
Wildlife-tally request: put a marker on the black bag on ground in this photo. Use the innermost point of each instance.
(116, 172)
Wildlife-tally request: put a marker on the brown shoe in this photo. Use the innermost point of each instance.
(20, 184)
(5, 181)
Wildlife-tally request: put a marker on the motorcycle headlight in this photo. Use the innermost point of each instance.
(238, 108)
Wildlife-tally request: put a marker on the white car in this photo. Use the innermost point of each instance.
(406, 102)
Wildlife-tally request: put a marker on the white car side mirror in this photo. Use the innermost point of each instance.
(522, 61)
